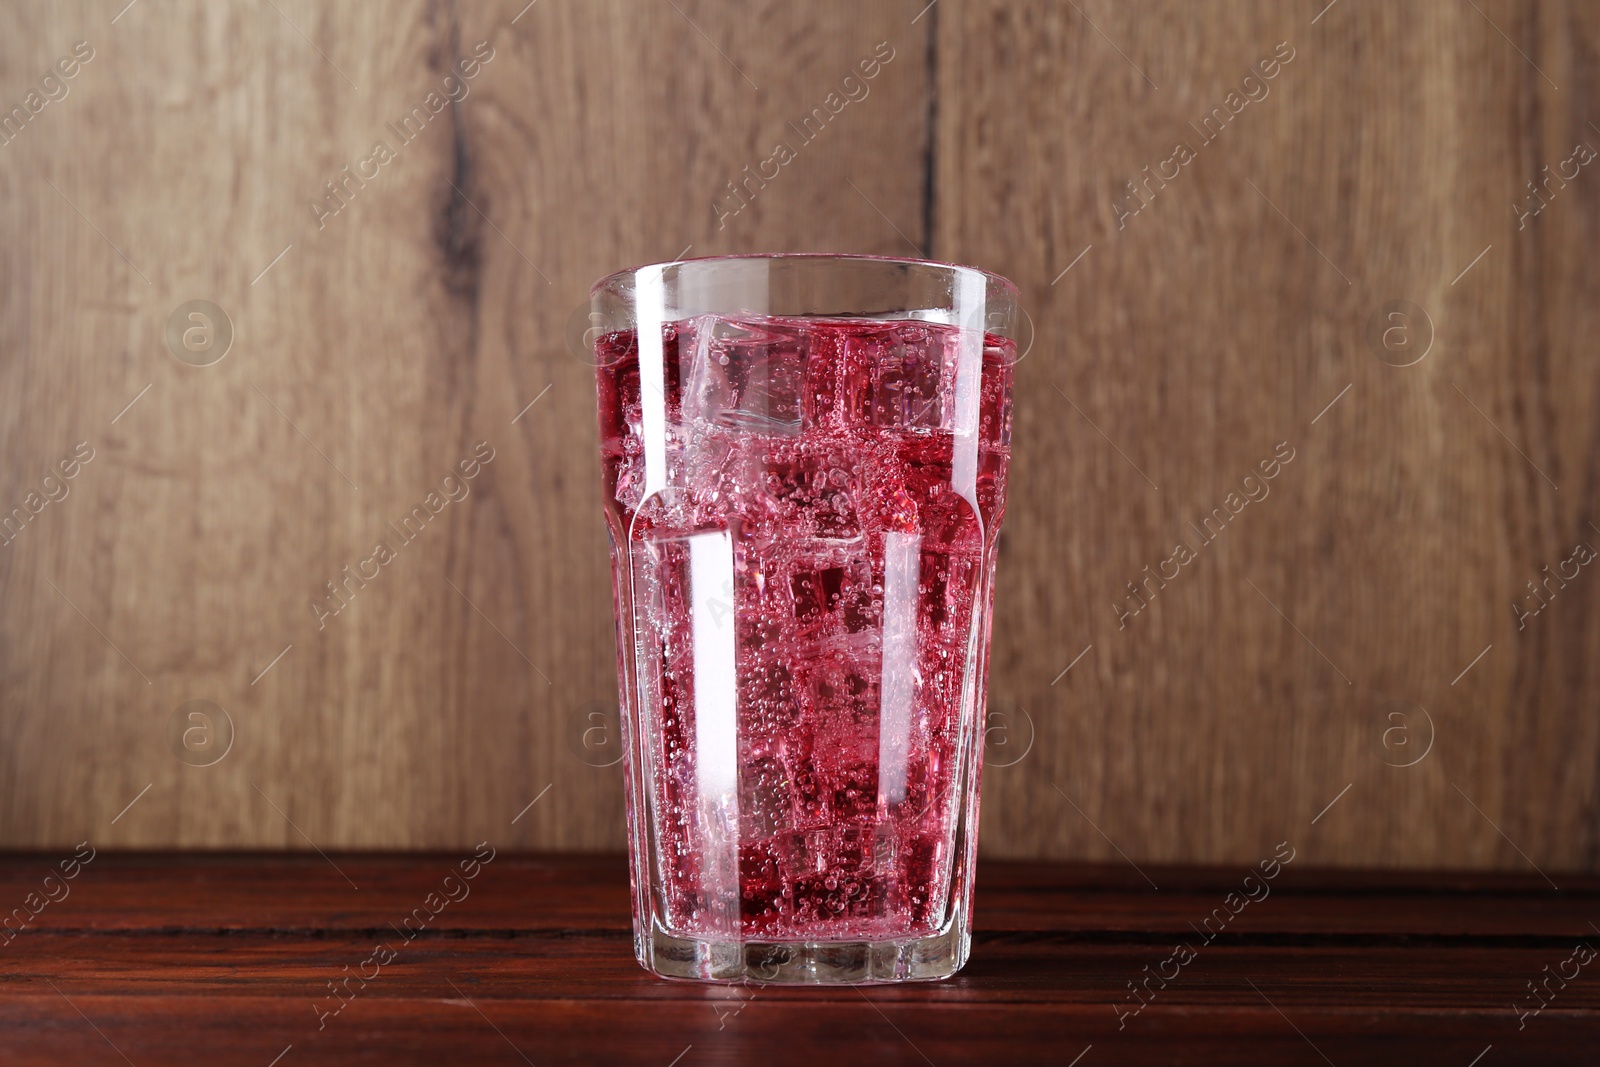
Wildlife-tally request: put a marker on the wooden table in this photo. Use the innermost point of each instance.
(220, 959)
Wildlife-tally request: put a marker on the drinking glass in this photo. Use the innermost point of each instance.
(804, 466)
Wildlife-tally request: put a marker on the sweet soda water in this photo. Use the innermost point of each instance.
(809, 589)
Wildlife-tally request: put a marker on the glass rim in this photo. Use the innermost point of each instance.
(611, 282)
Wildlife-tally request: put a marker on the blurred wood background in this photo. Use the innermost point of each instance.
(1357, 618)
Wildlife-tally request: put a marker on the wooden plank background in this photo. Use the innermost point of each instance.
(1357, 617)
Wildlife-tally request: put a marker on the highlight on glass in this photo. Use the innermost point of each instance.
(804, 464)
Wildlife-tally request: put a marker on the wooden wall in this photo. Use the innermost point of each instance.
(1357, 615)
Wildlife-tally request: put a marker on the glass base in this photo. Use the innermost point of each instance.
(909, 959)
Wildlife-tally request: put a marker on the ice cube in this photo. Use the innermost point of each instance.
(802, 853)
(835, 516)
(761, 889)
(855, 791)
(766, 696)
(829, 587)
(841, 696)
(816, 591)
(901, 377)
(843, 884)
(927, 785)
(630, 474)
(710, 468)
(814, 491)
(923, 877)
(810, 799)
(887, 503)
(814, 901)
(763, 799)
(749, 376)
(994, 408)
(949, 587)
(860, 611)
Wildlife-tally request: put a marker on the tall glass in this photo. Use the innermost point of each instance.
(804, 466)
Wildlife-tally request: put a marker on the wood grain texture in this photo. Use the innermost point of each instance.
(375, 346)
(1216, 320)
(390, 339)
(228, 958)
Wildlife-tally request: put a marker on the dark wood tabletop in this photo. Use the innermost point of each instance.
(219, 959)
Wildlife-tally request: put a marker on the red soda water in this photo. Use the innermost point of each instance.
(806, 559)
